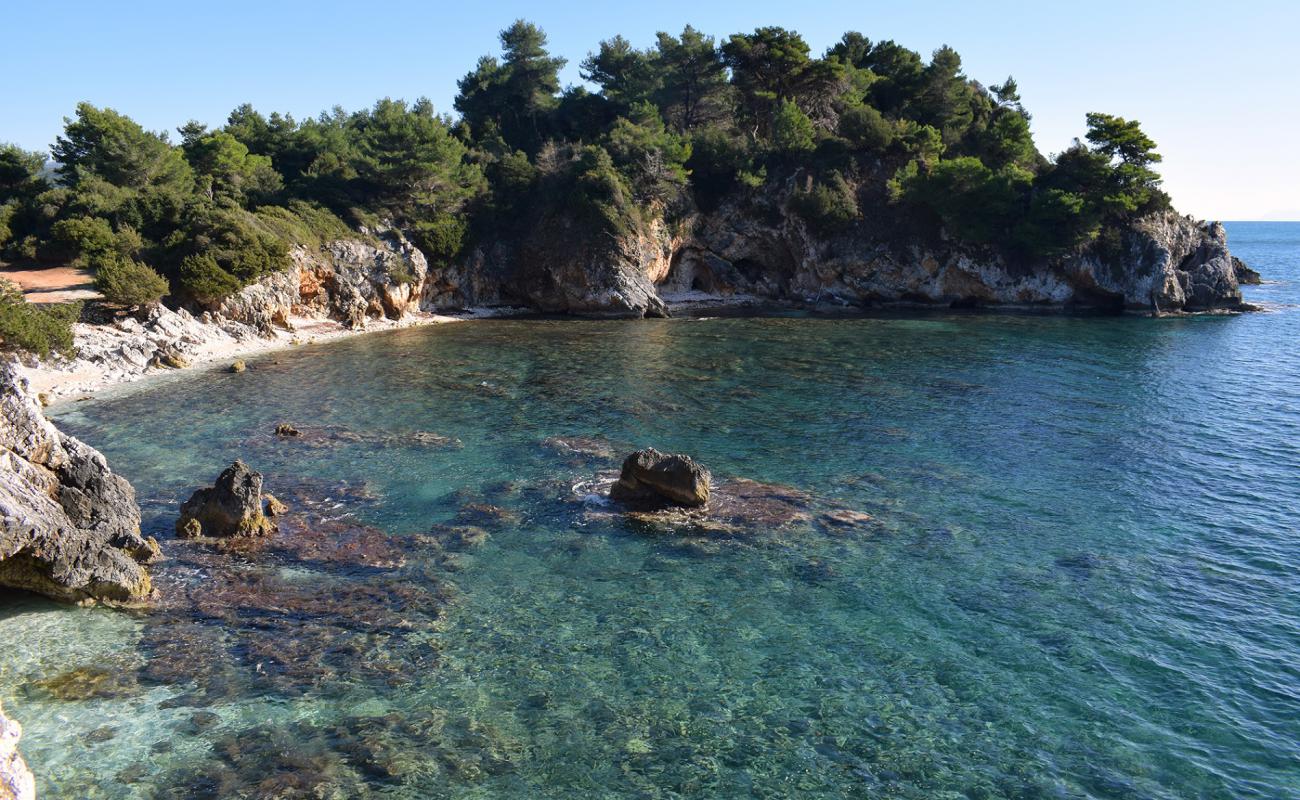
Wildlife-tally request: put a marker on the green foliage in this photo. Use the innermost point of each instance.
(792, 131)
(228, 171)
(440, 239)
(513, 95)
(219, 251)
(38, 329)
(407, 161)
(693, 89)
(21, 174)
(104, 144)
(127, 282)
(867, 129)
(205, 281)
(600, 193)
(302, 222)
(828, 206)
(718, 158)
(626, 76)
(88, 238)
(684, 123)
(652, 158)
(772, 65)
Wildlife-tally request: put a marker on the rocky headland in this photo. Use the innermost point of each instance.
(69, 526)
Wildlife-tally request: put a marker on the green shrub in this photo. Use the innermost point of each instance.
(128, 282)
(38, 329)
(827, 206)
(867, 129)
(792, 131)
(441, 239)
(87, 238)
(202, 279)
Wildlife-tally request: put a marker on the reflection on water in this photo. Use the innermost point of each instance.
(1077, 579)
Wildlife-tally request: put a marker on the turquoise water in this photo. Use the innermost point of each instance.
(1079, 581)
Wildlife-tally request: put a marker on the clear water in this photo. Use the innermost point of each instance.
(1081, 578)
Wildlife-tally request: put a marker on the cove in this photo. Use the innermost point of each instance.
(1078, 580)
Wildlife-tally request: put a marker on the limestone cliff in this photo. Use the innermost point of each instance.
(69, 527)
(754, 246)
(1165, 262)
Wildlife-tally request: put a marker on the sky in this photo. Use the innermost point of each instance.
(1214, 84)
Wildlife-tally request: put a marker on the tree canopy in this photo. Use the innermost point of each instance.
(685, 123)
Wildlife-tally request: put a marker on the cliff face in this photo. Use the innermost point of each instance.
(349, 280)
(563, 267)
(1164, 263)
(756, 248)
(69, 527)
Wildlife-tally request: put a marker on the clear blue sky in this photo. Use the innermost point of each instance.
(1214, 83)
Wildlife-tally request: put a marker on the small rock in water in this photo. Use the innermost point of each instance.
(231, 507)
(651, 477)
(101, 734)
(274, 507)
(238, 366)
(285, 429)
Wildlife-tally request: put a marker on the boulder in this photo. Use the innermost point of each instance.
(69, 527)
(16, 780)
(231, 507)
(651, 477)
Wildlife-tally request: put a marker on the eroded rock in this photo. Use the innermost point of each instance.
(16, 780)
(69, 527)
(653, 478)
(230, 508)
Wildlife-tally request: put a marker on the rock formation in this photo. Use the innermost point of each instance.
(69, 527)
(1245, 275)
(651, 477)
(232, 507)
(16, 780)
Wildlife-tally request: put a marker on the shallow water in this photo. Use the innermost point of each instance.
(1080, 580)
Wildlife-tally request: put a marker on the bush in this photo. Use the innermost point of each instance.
(867, 129)
(441, 239)
(828, 206)
(202, 279)
(88, 238)
(127, 282)
(792, 131)
(38, 329)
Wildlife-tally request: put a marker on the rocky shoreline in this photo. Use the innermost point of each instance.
(730, 263)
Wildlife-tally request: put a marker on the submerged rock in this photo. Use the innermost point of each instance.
(651, 477)
(16, 780)
(69, 527)
(232, 507)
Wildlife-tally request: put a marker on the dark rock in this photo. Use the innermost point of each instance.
(651, 477)
(69, 527)
(285, 429)
(1245, 275)
(232, 507)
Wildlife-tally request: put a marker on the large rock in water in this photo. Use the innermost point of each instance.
(16, 780)
(650, 476)
(69, 527)
(231, 507)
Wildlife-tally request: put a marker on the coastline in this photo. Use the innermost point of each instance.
(60, 385)
(64, 385)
